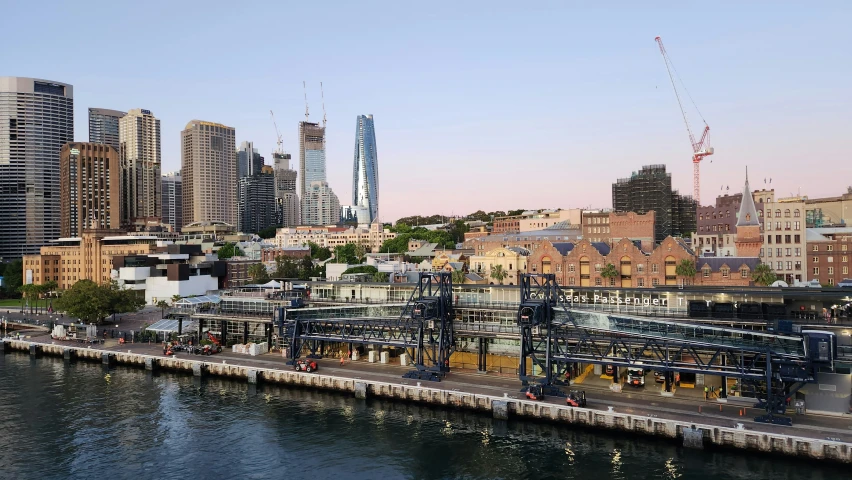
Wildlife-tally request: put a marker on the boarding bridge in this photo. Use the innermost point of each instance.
(773, 366)
(423, 326)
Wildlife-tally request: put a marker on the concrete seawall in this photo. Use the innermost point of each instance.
(691, 434)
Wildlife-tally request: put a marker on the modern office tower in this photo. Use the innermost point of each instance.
(89, 179)
(322, 205)
(103, 127)
(257, 201)
(311, 162)
(249, 161)
(173, 200)
(355, 214)
(209, 172)
(286, 198)
(650, 189)
(365, 175)
(141, 188)
(36, 119)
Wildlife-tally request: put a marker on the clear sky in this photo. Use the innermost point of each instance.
(477, 104)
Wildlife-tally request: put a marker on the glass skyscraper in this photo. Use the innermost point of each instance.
(103, 127)
(36, 119)
(365, 174)
(311, 165)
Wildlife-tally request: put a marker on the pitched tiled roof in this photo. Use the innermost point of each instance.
(563, 247)
(601, 247)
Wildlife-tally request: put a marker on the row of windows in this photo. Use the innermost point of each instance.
(796, 213)
(830, 248)
(796, 225)
(830, 270)
(786, 238)
(843, 259)
(781, 252)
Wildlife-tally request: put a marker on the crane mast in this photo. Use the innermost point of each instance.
(700, 148)
(278, 139)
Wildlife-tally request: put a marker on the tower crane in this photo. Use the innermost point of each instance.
(279, 140)
(700, 148)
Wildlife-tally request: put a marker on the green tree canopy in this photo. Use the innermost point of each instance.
(498, 273)
(319, 253)
(229, 250)
(286, 267)
(686, 269)
(91, 303)
(458, 277)
(258, 273)
(13, 277)
(362, 269)
(346, 254)
(381, 277)
(609, 271)
(268, 232)
(763, 275)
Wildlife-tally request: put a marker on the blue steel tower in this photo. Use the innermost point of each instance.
(365, 175)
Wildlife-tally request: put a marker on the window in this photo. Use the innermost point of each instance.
(789, 265)
(777, 238)
(830, 259)
(598, 268)
(798, 251)
(640, 282)
(706, 272)
(597, 281)
(612, 281)
(816, 270)
(845, 259)
(655, 268)
(786, 238)
(777, 225)
(787, 213)
(798, 265)
(829, 248)
(780, 265)
(570, 280)
(797, 239)
(830, 281)
(726, 272)
(761, 252)
(831, 270)
(778, 252)
(655, 282)
(815, 248)
(845, 270)
(640, 268)
(558, 267)
(769, 252)
(744, 273)
(788, 252)
(815, 259)
(570, 268)
(797, 225)
(844, 248)
(778, 213)
(769, 239)
(796, 213)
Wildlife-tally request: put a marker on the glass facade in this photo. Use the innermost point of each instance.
(103, 126)
(36, 119)
(365, 174)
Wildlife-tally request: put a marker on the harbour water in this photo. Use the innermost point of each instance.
(81, 421)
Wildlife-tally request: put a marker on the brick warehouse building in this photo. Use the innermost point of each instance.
(581, 263)
(828, 253)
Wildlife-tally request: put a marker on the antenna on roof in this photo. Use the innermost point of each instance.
(305, 89)
(322, 95)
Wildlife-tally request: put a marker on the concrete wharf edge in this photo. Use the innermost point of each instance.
(692, 434)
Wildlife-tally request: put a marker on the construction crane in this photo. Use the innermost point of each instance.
(279, 139)
(323, 105)
(700, 148)
(305, 89)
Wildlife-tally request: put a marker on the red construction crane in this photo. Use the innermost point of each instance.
(701, 148)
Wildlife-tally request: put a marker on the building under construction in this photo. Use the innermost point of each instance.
(650, 189)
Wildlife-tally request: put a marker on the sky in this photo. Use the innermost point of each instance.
(485, 105)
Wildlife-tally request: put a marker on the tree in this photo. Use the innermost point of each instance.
(686, 268)
(498, 273)
(763, 275)
(176, 298)
(258, 273)
(346, 254)
(286, 267)
(163, 306)
(122, 300)
(85, 300)
(269, 232)
(609, 272)
(458, 277)
(362, 269)
(229, 250)
(319, 253)
(13, 277)
(381, 277)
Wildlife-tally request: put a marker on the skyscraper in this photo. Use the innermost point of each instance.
(141, 188)
(89, 178)
(311, 161)
(365, 175)
(173, 200)
(257, 201)
(286, 199)
(209, 172)
(103, 127)
(36, 119)
(249, 161)
(324, 207)
(650, 189)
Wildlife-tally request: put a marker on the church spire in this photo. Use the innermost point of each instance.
(747, 215)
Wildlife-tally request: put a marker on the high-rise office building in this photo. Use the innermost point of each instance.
(650, 189)
(209, 172)
(141, 188)
(103, 127)
(173, 200)
(36, 119)
(286, 198)
(311, 162)
(249, 161)
(257, 201)
(365, 175)
(89, 179)
(323, 207)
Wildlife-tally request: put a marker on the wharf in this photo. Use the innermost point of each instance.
(642, 411)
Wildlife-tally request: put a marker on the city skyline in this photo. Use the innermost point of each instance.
(594, 100)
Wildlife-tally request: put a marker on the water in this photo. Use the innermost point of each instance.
(68, 421)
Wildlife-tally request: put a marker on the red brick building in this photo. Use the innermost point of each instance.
(583, 263)
(269, 254)
(828, 255)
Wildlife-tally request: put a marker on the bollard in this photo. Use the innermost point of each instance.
(252, 376)
(720, 408)
(34, 350)
(360, 390)
(699, 409)
(7, 346)
(108, 359)
(67, 354)
(150, 364)
(500, 409)
(198, 369)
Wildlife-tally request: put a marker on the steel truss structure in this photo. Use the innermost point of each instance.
(554, 338)
(424, 329)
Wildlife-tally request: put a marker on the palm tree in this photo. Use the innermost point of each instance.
(686, 268)
(458, 277)
(763, 275)
(163, 306)
(609, 272)
(497, 273)
(175, 298)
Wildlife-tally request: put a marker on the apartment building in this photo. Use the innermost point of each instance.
(89, 182)
(784, 239)
(828, 253)
(372, 238)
